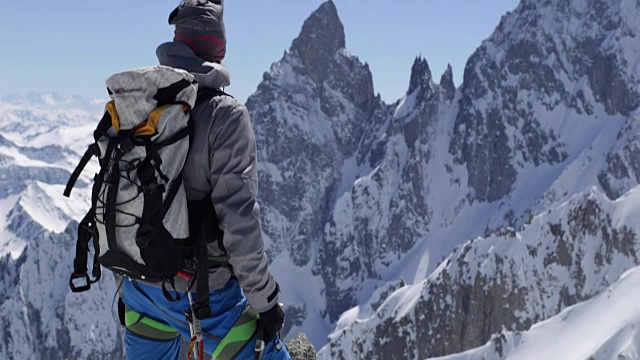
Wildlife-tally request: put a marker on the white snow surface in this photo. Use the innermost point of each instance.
(605, 327)
(506, 257)
(42, 137)
(587, 131)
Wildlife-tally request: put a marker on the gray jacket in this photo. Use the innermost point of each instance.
(222, 162)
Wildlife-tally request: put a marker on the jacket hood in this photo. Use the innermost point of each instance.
(180, 56)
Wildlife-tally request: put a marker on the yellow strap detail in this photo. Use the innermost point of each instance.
(115, 120)
(148, 127)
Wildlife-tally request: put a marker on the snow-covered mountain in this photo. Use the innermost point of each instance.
(454, 219)
(40, 143)
(345, 184)
(602, 328)
(544, 121)
(509, 279)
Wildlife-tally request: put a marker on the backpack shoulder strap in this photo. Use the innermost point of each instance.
(206, 94)
(201, 309)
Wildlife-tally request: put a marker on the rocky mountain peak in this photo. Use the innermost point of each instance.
(447, 87)
(420, 74)
(321, 37)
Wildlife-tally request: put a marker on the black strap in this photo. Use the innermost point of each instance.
(96, 270)
(202, 309)
(198, 210)
(99, 178)
(113, 182)
(186, 131)
(167, 95)
(103, 126)
(174, 186)
(167, 315)
(93, 149)
(151, 190)
(82, 245)
(167, 294)
(85, 233)
(156, 159)
(90, 221)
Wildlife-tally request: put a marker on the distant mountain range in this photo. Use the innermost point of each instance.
(452, 223)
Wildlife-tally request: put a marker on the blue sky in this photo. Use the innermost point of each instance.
(71, 47)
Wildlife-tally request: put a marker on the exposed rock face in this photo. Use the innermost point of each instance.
(321, 37)
(300, 348)
(317, 109)
(383, 214)
(510, 279)
(533, 117)
(447, 86)
(53, 322)
(530, 67)
(420, 75)
(494, 105)
(623, 162)
(313, 114)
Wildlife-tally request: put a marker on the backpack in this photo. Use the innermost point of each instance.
(138, 219)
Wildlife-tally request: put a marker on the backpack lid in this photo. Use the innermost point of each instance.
(138, 92)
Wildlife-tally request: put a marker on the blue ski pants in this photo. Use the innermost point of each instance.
(227, 306)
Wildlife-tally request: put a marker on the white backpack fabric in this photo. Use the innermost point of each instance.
(139, 208)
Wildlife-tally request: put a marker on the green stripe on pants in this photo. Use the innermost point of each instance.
(235, 340)
(241, 332)
(147, 327)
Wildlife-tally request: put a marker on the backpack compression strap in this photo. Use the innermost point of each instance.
(201, 308)
(93, 150)
(85, 234)
(86, 228)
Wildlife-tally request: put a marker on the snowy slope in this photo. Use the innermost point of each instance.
(42, 138)
(546, 114)
(603, 328)
(510, 279)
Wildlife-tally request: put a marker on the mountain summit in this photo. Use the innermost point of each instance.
(420, 74)
(321, 37)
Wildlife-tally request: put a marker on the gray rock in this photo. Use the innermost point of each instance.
(322, 35)
(623, 163)
(420, 75)
(480, 294)
(447, 87)
(300, 348)
(310, 115)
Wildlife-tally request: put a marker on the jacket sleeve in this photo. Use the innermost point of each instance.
(232, 151)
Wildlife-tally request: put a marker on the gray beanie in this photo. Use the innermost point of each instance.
(200, 25)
